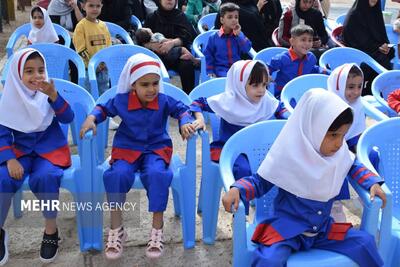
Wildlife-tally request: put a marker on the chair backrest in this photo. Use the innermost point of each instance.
(208, 20)
(206, 89)
(255, 142)
(57, 60)
(80, 101)
(329, 25)
(340, 19)
(136, 22)
(115, 30)
(294, 90)
(383, 85)
(384, 137)
(200, 42)
(337, 56)
(24, 30)
(336, 36)
(115, 58)
(275, 37)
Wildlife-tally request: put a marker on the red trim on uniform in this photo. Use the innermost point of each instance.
(18, 153)
(229, 47)
(338, 231)
(365, 176)
(358, 172)
(251, 189)
(61, 110)
(215, 153)
(338, 77)
(126, 154)
(134, 103)
(60, 156)
(242, 71)
(300, 69)
(293, 55)
(246, 188)
(101, 109)
(146, 63)
(20, 61)
(165, 153)
(266, 234)
(197, 104)
(4, 148)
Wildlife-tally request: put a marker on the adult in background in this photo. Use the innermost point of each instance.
(66, 13)
(271, 11)
(174, 25)
(252, 23)
(364, 29)
(118, 12)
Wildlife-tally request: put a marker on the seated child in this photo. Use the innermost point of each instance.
(140, 144)
(226, 46)
(394, 100)
(246, 91)
(308, 186)
(144, 36)
(32, 143)
(297, 61)
(42, 28)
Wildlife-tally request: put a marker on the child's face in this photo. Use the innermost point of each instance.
(230, 20)
(353, 88)
(306, 4)
(256, 91)
(37, 19)
(93, 9)
(147, 88)
(301, 44)
(33, 73)
(333, 140)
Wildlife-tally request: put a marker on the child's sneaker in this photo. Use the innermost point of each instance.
(155, 247)
(49, 247)
(115, 243)
(3, 247)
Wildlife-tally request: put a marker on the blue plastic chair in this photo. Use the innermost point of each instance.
(265, 56)
(384, 137)
(248, 141)
(183, 183)
(136, 22)
(382, 86)
(115, 30)
(208, 20)
(24, 30)
(199, 45)
(115, 58)
(340, 19)
(211, 184)
(393, 40)
(294, 90)
(76, 178)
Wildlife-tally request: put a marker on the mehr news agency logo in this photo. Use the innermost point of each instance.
(56, 205)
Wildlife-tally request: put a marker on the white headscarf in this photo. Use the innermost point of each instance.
(234, 105)
(337, 84)
(46, 34)
(137, 66)
(22, 109)
(294, 162)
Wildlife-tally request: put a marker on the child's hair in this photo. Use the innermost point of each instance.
(355, 71)
(301, 29)
(228, 7)
(34, 55)
(346, 117)
(258, 73)
(36, 9)
(84, 1)
(142, 36)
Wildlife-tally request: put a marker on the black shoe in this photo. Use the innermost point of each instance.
(3, 247)
(49, 247)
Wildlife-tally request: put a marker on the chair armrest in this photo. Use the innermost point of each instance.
(10, 44)
(252, 53)
(94, 91)
(373, 112)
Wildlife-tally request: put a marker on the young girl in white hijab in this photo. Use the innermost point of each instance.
(42, 28)
(32, 143)
(308, 186)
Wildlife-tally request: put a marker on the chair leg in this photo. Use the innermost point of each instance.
(84, 220)
(199, 204)
(177, 206)
(17, 204)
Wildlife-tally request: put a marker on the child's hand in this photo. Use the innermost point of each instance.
(261, 4)
(48, 88)
(199, 124)
(166, 46)
(384, 48)
(236, 30)
(87, 125)
(376, 189)
(232, 197)
(15, 169)
(187, 130)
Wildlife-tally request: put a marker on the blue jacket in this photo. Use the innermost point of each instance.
(50, 144)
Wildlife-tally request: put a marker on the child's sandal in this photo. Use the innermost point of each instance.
(155, 247)
(115, 242)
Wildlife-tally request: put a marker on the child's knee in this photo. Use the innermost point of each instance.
(119, 177)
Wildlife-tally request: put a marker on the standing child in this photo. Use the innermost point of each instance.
(42, 28)
(90, 36)
(32, 143)
(140, 144)
(297, 61)
(225, 46)
(308, 186)
(245, 101)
